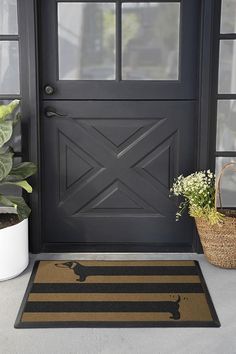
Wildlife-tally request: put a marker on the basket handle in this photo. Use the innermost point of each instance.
(218, 182)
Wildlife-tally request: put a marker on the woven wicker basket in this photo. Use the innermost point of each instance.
(219, 241)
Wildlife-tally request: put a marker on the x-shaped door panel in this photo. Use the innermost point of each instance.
(117, 163)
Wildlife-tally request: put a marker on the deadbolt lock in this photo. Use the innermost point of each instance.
(49, 90)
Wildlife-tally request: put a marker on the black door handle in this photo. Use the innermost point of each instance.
(50, 113)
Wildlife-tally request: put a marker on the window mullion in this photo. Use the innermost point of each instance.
(118, 41)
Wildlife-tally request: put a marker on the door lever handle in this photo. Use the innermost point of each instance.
(50, 113)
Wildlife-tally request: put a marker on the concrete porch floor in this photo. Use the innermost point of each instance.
(221, 284)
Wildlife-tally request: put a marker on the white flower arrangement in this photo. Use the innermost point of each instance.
(198, 191)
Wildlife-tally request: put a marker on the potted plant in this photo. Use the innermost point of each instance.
(216, 226)
(14, 211)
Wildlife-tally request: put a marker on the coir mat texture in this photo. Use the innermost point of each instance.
(116, 294)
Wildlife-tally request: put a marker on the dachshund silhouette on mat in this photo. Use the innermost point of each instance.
(84, 271)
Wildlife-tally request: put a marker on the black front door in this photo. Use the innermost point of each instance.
(118, 121)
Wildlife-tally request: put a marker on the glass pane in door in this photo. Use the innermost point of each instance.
(86, 41)
(150, 41)
(9, 67)
(8, 17)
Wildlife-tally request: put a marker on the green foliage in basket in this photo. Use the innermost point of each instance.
(9, 174)
(198, 192)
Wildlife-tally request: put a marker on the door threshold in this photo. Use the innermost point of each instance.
(116, 248)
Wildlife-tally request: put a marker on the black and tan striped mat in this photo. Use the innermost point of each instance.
(116, 294)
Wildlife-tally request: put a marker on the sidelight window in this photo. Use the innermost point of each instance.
(8, 17)
(226, 105)
(9, 59)
(9, 51)
(9, 70)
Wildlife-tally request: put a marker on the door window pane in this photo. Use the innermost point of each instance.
(86, 41)
(228, 190)
(150, 41)
(226, 126)
(228, 16)
(9, 67)
(8, 17)
(227, 66)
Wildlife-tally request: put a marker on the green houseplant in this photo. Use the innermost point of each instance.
(9, 174)
(216, 226)
(13, 224)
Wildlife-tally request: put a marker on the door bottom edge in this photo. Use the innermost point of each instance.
(112, 247)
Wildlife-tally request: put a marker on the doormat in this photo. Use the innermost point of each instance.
(116, 294)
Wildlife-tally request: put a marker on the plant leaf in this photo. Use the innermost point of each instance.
(7, 109)
(5, 132)
(23, 184)
(22, 171)
(6, 149)
(20, 205)
(6, 202)
(5, 165)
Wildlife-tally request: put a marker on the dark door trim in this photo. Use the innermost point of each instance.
(28, 27)
(208, 83)
(29, 78)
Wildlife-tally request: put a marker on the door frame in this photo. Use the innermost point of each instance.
(29, 18)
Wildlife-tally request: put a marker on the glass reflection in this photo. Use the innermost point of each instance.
(228, 16)
(9, 67)
(226, 126)
(228, 190)
(150, 41)
(227, 66)
(86, 41)
(8, 17)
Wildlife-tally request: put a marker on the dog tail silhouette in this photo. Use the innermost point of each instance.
(178, 300)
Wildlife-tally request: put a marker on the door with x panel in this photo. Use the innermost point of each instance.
(118, 121)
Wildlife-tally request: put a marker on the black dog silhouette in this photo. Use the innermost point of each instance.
(84, 271)
(168, 306)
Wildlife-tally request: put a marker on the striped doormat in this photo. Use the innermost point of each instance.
(116, 294)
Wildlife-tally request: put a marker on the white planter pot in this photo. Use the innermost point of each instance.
(14, 254)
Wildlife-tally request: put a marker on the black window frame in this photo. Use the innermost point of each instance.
(221, 96)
